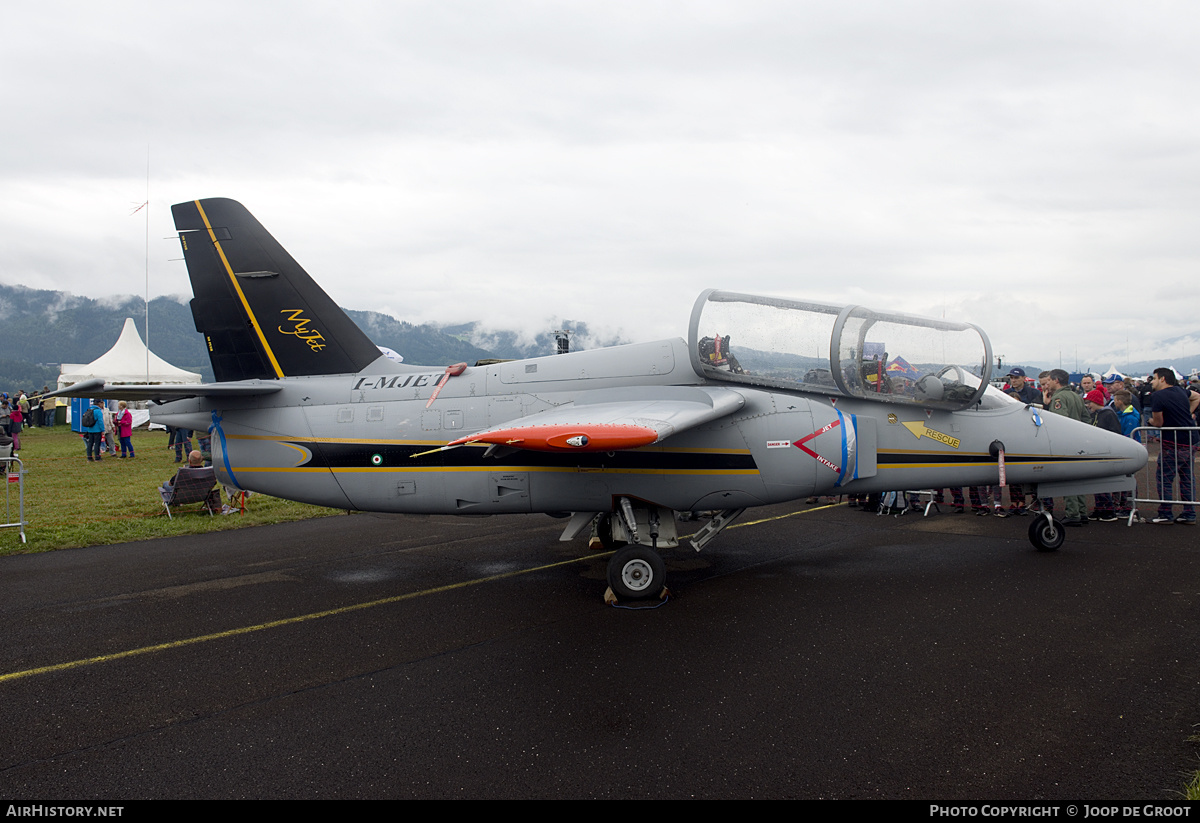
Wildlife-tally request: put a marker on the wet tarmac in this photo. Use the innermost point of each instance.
(809, 652)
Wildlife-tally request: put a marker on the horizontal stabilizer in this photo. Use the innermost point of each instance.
(97, 388)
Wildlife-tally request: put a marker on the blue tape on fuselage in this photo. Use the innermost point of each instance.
(216, 427)
(847, 447)
(854, 447)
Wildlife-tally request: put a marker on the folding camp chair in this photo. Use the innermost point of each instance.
(193, 486)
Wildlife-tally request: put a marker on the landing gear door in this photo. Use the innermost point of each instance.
(866, 454)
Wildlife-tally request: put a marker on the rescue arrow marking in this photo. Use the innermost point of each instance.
(920, 429)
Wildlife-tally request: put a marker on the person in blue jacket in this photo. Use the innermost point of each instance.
(95, 432)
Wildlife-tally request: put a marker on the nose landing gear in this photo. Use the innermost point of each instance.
(1046, 533)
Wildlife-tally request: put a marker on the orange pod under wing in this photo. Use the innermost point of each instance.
(562, 437)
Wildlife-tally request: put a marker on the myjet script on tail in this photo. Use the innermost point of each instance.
(260, 312)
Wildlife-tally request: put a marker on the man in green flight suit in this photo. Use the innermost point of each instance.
(1060, 399)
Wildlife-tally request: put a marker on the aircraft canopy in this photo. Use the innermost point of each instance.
(851, 351)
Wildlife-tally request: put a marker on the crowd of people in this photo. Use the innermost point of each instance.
(105, 429)
(102, 428)
(24, 409)
(1123, 405)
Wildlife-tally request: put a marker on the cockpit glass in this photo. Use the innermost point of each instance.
(993, 398)
(851, 351)
(780, 343)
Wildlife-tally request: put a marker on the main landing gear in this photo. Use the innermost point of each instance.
(636, 573)
(635, 532)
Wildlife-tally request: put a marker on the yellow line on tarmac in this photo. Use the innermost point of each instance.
(304, 618)
(783, 516)
(287, 621)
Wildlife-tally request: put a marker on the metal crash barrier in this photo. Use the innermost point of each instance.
(14, 476)
(1171, 463)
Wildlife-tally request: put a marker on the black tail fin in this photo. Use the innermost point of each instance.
(259, 311)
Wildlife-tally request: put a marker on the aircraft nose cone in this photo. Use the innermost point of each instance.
(1104, 452)
(1133, 454)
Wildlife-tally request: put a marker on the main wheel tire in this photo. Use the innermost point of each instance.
(1046, 536)
(636, 573)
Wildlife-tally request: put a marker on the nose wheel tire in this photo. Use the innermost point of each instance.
(636, 573)
(1046, 535)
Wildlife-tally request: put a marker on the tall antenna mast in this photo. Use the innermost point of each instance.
(147, 262)
(146, 206)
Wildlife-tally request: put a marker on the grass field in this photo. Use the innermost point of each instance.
(72, 502)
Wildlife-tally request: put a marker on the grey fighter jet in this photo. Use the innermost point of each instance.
(767, 400)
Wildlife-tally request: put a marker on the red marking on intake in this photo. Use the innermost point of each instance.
(800, 445)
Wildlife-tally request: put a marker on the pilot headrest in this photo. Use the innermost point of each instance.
(930, 388)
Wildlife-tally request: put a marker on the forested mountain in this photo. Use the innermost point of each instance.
(419, 345)
(49, 328)
(42, 329)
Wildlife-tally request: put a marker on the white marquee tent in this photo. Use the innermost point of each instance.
(128, 361)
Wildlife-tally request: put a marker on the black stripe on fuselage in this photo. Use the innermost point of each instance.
(361, 455)
(901, 459)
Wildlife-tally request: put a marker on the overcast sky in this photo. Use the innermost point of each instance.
(1031, 167)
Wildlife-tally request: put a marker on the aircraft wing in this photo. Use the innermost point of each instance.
(97, 388)
(613, 419)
